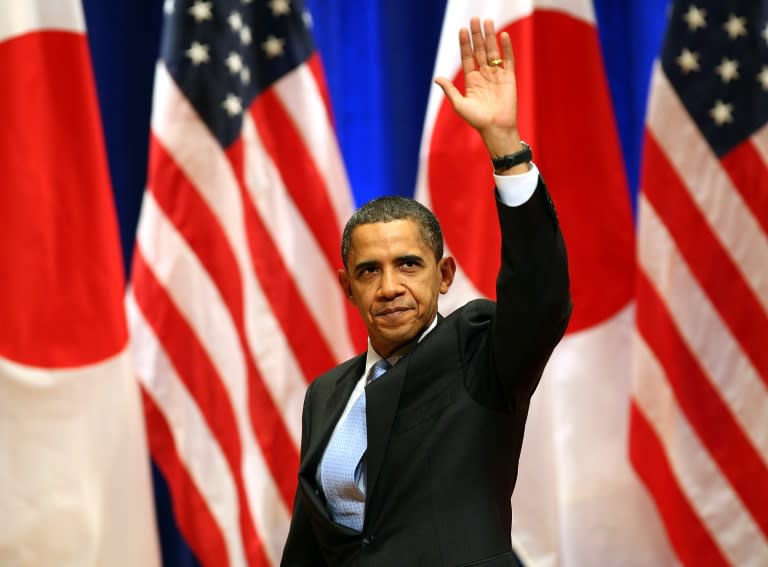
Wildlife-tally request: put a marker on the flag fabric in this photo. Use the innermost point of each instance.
(74, 472)
(574, 467)
(699, 414)
(234, 303)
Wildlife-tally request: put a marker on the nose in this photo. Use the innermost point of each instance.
(390, 286)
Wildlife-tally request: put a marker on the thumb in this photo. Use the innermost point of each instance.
(450, 91)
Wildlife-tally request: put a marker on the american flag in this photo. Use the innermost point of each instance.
(699, 415)
(234, 304)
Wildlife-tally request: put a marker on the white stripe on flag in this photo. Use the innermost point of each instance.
(709, 340)
(297, 245)
(301, 97)
(710, 494)
(760, 142)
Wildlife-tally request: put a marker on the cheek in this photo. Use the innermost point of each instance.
(363, 300)
(427, 294)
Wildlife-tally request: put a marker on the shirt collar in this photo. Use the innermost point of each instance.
(372, 357)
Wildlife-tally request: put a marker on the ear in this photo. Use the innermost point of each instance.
(346, 285)
(447, 267)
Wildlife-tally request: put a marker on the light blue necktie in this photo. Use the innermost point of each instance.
(342, 471)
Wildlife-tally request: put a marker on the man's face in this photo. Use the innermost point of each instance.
(393, 279)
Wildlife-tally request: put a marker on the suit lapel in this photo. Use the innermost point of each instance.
(331, 410)
(382, 400)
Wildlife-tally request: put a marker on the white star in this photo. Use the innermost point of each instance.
(273, 46)
(688, 61)
(307, 17)
(168, 7)
(735, 26)
(201, 11)
(762, 77)
(198, 53)
(280, 7)
(695, 18)
(728, 70)
(245, 75)
(245, 35)
(234, 62)
(235, 21)
(232, 105)
(721, 113)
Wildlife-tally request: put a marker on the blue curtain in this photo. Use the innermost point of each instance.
(378, 57)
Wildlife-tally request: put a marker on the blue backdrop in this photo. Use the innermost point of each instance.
(378, 56)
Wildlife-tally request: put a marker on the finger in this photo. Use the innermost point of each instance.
(478, 42)
(467, 57)
(509, 56)
(491, 46)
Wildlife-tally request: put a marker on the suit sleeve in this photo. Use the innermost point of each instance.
(532, 293)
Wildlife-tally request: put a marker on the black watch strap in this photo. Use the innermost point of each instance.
(511, 160)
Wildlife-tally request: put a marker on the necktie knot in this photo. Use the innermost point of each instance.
(378, 369)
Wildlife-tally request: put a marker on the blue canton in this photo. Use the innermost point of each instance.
(716, 57)
(224, 53)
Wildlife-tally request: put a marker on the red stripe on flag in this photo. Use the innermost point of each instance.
(194, 518)
(287, 304)
(195, 369)
(690, 538)
(180, 201)
(749, 175)
(701, 402)
(304, 183)
(716, 272)
(190, 215)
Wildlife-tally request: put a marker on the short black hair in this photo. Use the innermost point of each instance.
(393, 207)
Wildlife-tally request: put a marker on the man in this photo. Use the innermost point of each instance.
(416, 466)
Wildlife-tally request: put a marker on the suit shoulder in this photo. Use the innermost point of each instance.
(328, 379)
(474, 310)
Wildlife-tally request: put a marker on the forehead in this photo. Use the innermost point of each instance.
(398, 236)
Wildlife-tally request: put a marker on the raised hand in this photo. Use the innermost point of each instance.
(489, 103)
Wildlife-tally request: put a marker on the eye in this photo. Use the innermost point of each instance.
(367, 270)
(410, 264)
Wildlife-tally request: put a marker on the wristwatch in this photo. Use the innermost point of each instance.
(511, 160)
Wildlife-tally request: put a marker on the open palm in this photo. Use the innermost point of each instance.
(489, 103)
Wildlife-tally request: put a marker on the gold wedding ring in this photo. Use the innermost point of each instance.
(495, 62)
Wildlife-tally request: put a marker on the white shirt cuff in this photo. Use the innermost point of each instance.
(514, 190)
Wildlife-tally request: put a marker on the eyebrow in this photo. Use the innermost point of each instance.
(416, 259)
(366, 264)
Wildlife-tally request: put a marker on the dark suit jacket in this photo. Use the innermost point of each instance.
(445, 424)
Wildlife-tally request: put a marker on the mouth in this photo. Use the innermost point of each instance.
(392, 314)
